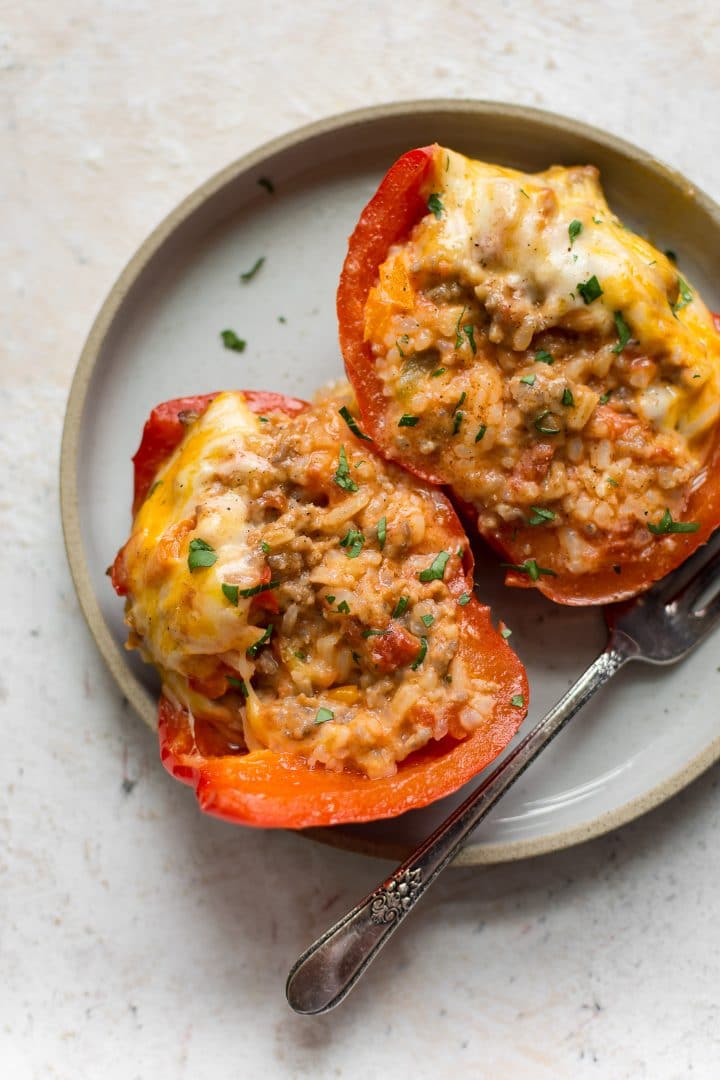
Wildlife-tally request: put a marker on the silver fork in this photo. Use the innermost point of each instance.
(661, 626)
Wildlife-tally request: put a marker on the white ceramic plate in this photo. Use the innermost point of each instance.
(157, 337)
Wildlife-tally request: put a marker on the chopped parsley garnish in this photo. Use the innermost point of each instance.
(529, 380)
(524, 192)
(238, 684)
(231, 341)
(282, 319)
(407, 420)
(481, 431)
(597, 220)
(590, 290)
(421, 654)
(541, 516)
(401, 606)
(154, 488)
(342, 474)
(567, 397)
(461, 401)
(373, 633)
(200, 554)
(265, 547)
(353, 542)
(231, 592)
(542, 426)
(300, 655)
(464, 599)
(518, 701)
(435, 205)
(405, 339)
(669, 254)
(612, 481)
(469, 332)
(264, 182)
(352, 423)
(254, 649)
(438, 371)
(427, 619)
(685, 296)
(531, 568)
(323, 715)
(457, 421)
(623, 331)
(436, 570)
(257, 589)
(604, 398)
(506, 632)
(263, 419)
(574, 230)
(458, 329)
(667, 525)
(330, 599)
(250, 274)
(543, 357)
(382, 532)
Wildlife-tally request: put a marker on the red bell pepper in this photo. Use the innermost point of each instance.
(399, 203)
(268, 789)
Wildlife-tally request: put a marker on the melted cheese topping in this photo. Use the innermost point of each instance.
(361, 666)
(491, 283)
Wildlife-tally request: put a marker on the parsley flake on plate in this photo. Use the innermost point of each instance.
(250, 274)
(231, 341)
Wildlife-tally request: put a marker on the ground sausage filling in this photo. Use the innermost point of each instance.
(300, 594)
(550, 365)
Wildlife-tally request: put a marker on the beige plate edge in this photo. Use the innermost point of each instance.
(143, 702)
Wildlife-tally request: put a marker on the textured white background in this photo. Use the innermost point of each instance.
(139, 941)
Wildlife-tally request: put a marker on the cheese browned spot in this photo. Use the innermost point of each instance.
(550, 356)
(294, 505)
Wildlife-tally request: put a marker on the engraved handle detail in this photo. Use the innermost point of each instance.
(329, 969)
(395, 896)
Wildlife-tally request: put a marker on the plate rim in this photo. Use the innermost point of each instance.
(140, 699)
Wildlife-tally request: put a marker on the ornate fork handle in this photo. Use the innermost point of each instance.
(329, 969)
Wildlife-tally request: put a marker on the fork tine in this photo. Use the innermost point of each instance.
(696, 586)
(710, 613)
(674, 586)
